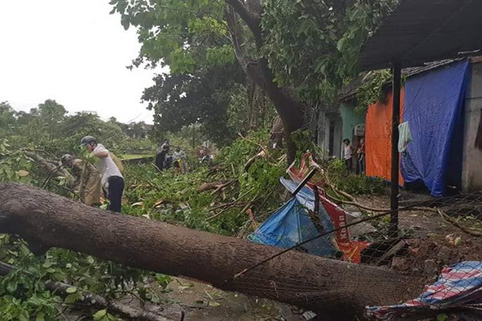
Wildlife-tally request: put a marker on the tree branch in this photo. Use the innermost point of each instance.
(252, 20)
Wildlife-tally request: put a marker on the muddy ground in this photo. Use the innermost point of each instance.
(202, 302)
(434, 242)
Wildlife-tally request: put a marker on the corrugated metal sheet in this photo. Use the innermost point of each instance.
(420, 31)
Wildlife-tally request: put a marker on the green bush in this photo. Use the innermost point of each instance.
(353, 184)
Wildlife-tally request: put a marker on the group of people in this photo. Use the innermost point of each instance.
(178, 159)
(105, 176)
(348, 154)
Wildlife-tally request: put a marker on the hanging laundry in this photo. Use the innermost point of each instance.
(405, 136)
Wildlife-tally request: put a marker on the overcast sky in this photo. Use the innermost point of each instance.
(72, 51)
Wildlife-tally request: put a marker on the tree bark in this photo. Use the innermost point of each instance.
(49, 167)
(287, 106)
(333, 287)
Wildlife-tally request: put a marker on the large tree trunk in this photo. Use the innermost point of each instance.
(287, 106)
(336, 288)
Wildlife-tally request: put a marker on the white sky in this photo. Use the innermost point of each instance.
(72, 51)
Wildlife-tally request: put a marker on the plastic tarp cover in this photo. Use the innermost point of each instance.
(434, 110)
(458, 286)
(378, 135)
(351, 249)
(291, 225)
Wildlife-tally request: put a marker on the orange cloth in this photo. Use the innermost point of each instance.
(378, 136)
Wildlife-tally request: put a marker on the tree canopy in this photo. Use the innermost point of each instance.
(295, 50)
(314, 46)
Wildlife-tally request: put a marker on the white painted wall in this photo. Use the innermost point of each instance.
(324, 133)
(338, 140)
(472, 157)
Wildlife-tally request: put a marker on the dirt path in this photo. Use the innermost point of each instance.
(202, 302)
(434, 242)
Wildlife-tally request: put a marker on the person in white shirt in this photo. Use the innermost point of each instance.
(348, 154)
(111, 178)
(179, 159)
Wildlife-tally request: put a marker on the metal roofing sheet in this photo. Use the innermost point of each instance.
(420, 31)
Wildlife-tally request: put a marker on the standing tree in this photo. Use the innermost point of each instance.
(202, 97)
(7, 118)
(174, 33)
(291, 49)
(51, 114)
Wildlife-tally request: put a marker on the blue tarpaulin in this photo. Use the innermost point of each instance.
(434, 104)
(291, 225)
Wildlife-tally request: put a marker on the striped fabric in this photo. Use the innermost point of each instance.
(458, 285)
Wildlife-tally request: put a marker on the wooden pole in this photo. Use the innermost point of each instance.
(396, 87)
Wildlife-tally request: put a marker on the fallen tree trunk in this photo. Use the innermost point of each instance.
(336, 288)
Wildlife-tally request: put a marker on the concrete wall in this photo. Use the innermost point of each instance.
(350, 119)
(472, 157)
(337, 139)
(322, 131)
(324, 124)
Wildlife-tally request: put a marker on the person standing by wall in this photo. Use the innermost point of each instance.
(348, 155)
(111, 178)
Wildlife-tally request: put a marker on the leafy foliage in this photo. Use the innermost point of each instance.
(204, 97)
(353, 184)
(192, 38)
(314, 45)
(162, 196)
(14, 165)
(174, 33)
(25, 294)
(173, 198)
(372, 91)
(7, 118)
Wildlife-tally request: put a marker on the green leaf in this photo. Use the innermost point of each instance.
(12, 286)
(40, 316)
(22, 173)
(442, 317)
(47, 264)
(100, 314)
(71, 289)
(70, 299)
(24, 316)
(340, 44)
